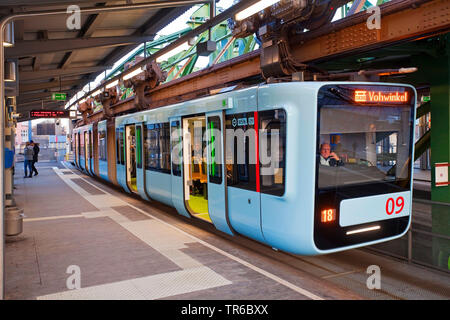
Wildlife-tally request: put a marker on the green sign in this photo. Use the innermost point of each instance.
(426, 98)
(59, 96)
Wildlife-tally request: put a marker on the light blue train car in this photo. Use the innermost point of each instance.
(304, 167)
(84, 154)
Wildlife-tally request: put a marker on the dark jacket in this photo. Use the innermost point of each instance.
(36, 152)
(331, 161)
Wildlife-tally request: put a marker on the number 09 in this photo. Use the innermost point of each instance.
(391, 205)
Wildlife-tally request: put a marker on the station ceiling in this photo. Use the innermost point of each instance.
(52, 58)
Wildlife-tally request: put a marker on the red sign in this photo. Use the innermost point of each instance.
(369, 96)
(49, 114)
(328, 215)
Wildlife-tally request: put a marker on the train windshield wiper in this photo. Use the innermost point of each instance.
(340, 94)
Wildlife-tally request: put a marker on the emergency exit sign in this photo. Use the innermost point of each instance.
(59, 96)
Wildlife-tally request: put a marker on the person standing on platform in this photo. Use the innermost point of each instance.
(28, 154)
(35, 156)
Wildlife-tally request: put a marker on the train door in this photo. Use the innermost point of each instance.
(176, 147)
(242, 174)
(195, 178)
(87, 144)
(130, 157)
(90, 158)
(140, 161)
(121, 163)
(217, 182)
(85, 151)
(81, 150)
(77, 146)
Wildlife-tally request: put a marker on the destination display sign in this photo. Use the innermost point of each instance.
(371, 96)
(53, 114)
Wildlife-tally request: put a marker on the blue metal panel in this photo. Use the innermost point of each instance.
(122, 177)
(140, 172)
(91, 160)
(287, 221)
(217, 207)
(102, 164)
(177, 181)
(83, 163)
(9, 158)
(244, 207)
(159, 186)
(244, 212)
(121, 172)
(373, 208)
(103, 169)
(141, 182)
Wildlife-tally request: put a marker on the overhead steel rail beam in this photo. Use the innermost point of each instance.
(3, 22)
(402, 20)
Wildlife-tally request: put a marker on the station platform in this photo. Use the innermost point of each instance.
(121, 247)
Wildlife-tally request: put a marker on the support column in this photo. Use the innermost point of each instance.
(440, 152)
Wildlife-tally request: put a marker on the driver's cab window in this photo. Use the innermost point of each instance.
(360, 145)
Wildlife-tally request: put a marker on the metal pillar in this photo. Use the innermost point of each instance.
(30, 131)
(440, 152)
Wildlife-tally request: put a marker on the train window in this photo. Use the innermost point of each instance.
(89, 144)
(151, 147)
(157, 147)
(176, 140)
(165, 147)
(81, 145)
(139, 147)
(86, 142)
(120, 146)
(102, 145)
(363, 144)
(240, 154)
(272, 151)
(215, 167)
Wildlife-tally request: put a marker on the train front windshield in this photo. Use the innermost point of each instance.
(362, 141)
(364, 151)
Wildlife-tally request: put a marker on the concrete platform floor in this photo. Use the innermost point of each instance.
(121, 247)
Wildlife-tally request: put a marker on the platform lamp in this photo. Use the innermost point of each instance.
(10, 71)
(255, 8)
(8, 35)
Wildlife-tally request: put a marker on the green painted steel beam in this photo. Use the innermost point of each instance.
(422, 145)
(423, 110)
(150, 47)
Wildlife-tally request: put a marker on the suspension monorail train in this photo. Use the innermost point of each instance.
(262, 169)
